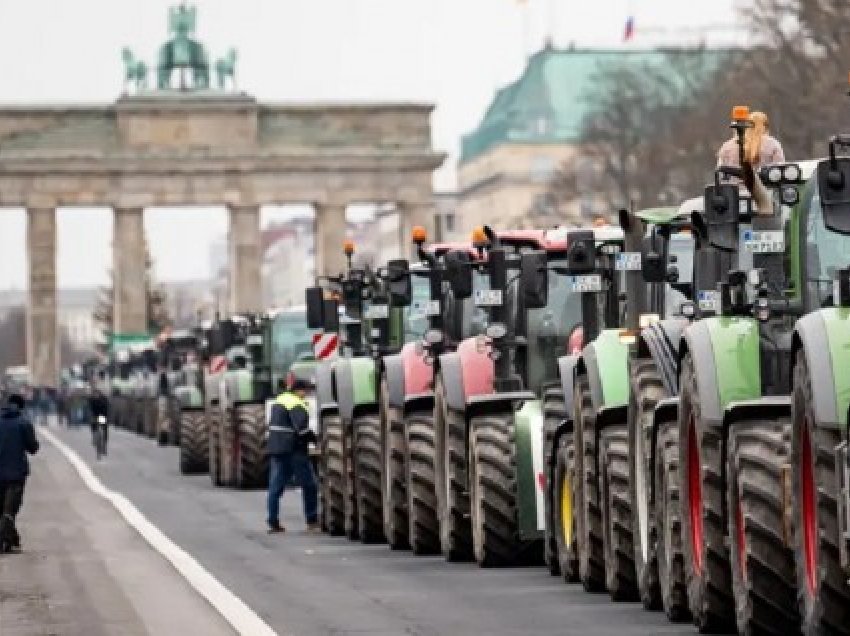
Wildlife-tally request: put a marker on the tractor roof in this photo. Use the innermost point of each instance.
(660, 216)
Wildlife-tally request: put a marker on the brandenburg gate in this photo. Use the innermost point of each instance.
(185, 143)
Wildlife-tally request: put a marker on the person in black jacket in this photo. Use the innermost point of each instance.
(17, 438)
(99, 406)
(288, 451)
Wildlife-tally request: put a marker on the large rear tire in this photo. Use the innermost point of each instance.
(367, 457)
(554, 412)
(493, 490)
(333, 480)
(620, 576)
(194, 444)
(252, 467)
(763, 572)
(214, 444)
(423, 519)
(706, 554)
(672, 580)
(589, 531)
(452, 494)
(229, 450)
(394, 475)
(824, 596)
(350, 483)
(646, 389)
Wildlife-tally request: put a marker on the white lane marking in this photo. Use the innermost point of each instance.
(241, 617)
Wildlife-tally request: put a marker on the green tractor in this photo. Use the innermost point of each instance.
(347, 390)
(735, 407)
(820, 405)
(181, 352)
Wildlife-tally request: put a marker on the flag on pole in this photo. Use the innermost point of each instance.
(629, 31)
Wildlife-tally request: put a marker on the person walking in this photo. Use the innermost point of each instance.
(17, 439)
(288, 451)
(99, 411)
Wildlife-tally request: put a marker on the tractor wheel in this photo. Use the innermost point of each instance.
(194, 447)
(214, 444)
(493, 490)
(824, 595)
(424, 524)
(668, 524)
(452, 494)
(763, 573)
(350, 483)
(333, 480)
(564, 513)
(554, 412)
(252, 467)
(620, 575)
(589, 532)
(367, 458)
(394, 477)
(646, 389)
(706, 553)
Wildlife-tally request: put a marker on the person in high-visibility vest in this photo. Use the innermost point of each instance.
(288, 451)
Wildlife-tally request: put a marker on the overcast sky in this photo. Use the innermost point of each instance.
(454, 53)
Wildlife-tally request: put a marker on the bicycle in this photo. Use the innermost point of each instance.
(100, 437)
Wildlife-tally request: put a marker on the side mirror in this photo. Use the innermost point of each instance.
(834, 187)
(399, 285)
(533, 279)
(722, 213)
(314, 298)
(352, 297)
(459, 273)
(581, 253)
(653, 267)
(330, 311)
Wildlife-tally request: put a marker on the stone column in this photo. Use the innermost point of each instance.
(329, 235)
(245, 249)
(42, 341)
(411, 215)
(129, 271)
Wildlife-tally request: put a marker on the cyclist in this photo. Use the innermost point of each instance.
(99, 408)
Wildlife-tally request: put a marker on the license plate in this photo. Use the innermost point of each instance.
(708, 300)
(377, 312)
(585, 283)
(425, 308)
(767, 242)
(488, 298)
(627, 262)
(254, 339)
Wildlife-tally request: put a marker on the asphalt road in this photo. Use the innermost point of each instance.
(305, 584)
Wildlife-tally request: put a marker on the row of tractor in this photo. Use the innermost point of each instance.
(207, 390)
(657, 409)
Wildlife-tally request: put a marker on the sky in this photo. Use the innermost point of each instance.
(453, 53)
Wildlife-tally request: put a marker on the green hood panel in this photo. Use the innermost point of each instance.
(529, 469)
(363, 375)
(658, 216)
(837, 322)
(735, 343)
(612, 359)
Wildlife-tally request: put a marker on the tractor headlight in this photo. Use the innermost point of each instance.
(648, 319)
(791, 173)
(790, 195)
(774, 175)
(627, 337)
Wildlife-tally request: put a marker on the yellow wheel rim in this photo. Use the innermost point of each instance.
(566, 510)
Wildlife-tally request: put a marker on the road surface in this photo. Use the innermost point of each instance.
(297, 583)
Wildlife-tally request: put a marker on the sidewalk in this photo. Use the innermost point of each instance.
(84, 571)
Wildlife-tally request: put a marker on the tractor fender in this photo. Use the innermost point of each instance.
(660, 341)
(418, 402)
(394, 375)
(418, 373)
(605, 361)
(566, 373)
(497, 403)
(762, 408)
(826, 330)
(477, 368)
(452, 381)
(355, 386)
(324, 384)
(726, 355)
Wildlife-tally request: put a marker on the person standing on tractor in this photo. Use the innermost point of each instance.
(17, 439)
(760, 147)
(287, 448)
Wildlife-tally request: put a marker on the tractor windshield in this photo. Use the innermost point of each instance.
(826, 251)
(416, 314)
(549, 329)
(290, 339)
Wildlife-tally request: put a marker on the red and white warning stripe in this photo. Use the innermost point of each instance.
(218, 364)
(325, 345)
